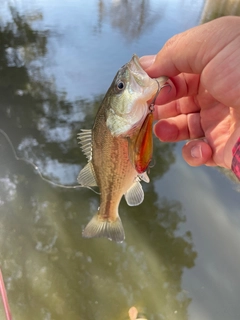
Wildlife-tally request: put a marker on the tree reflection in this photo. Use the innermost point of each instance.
(217, 8)
(50, 271)
(132, 18)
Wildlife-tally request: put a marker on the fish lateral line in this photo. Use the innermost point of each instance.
(38, 170)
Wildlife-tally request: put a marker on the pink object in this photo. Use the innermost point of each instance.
(236, 159)
(4, 298)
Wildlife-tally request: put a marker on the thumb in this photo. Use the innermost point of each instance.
(147, 61)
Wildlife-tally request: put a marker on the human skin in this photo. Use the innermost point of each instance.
(203, 104)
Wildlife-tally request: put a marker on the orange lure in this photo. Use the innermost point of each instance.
(141, 148)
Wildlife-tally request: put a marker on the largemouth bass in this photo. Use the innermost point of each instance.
(117, 147)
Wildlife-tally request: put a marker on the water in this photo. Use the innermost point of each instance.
(181, 255)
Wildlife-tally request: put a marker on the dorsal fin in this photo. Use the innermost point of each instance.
(85, 139)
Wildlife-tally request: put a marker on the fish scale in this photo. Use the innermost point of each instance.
(117, 146)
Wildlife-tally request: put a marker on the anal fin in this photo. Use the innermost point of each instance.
(135, 195)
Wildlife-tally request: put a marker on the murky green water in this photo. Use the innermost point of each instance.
(181, 256)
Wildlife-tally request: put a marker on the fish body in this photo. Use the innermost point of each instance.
(112, 148)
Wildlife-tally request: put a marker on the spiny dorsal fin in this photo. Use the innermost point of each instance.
(99, 228)
(86, 176)
(135, 195)
(85, 139)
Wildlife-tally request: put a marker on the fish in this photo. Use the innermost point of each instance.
(118, 148)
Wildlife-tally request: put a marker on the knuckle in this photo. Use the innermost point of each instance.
(172, 42)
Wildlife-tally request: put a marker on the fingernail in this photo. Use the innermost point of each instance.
(147, 61)
(196, 151)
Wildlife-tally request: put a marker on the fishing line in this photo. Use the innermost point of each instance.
(38, 170)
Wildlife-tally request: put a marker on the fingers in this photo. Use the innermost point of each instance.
(197, 153)
(147, 61)
(179, 128)
(182, 85)
(185, 105)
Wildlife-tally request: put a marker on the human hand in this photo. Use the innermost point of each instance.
(203, 105)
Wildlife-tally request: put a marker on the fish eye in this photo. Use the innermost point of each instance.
(120, 85)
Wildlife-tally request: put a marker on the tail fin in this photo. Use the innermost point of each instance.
(97, 228)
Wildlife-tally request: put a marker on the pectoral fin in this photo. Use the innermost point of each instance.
(86, 176)
(135, 195)
(141, 146)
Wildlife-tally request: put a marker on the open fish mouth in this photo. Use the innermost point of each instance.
(140, 76)
(136, 63)
(148, 85)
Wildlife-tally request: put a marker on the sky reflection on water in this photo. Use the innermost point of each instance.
(180, 258)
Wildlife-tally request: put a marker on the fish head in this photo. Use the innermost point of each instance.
(129, 97)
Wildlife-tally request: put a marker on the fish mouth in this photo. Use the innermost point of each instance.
(141, 82)
(137, 71)
(136, 61)
(147, 85)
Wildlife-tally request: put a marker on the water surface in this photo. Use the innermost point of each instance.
(180, 258)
